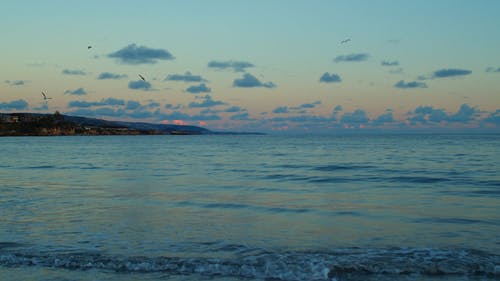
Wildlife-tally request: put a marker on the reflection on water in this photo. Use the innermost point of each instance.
(234, 197)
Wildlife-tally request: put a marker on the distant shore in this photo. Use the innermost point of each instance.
(32, 124)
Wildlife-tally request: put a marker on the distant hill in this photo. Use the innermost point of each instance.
(140, 126)
(35, 124)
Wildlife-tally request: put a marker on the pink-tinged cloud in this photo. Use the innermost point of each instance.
(180, 122)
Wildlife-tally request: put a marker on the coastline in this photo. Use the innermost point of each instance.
(32, 124)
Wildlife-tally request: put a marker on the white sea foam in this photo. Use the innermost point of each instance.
(341, 264)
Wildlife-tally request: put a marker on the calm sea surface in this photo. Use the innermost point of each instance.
(399, 207)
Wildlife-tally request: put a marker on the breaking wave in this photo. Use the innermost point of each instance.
(341, 264)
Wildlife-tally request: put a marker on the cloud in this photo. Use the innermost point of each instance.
(383, 118)
(336, 111)
(44, 106)
(297, 109)
(424, 109)
(236, 66)
(112, 101)
(355, 118)
(309, 105)
(410, 85)
(352, 58)
(207, 102)
(98, 112)
(234, 109)
(449, 72)
(81, 104)
(250, 81)
(280, 110)
(133, 105)
(429, 114)
(301, 119)
(209, 110)
(142, 113)
(153, 104)
(389, 63)
(16, 104)
(140, 85)
(438, 115)
(101, 112)
(133, 54)
(103, 102)
(241, 117)
(16, 82)
(201, 117)
(493, 69)
(116, 108)
(81, 112)
(177, 115)
(186, 77)
(196, 89)
(77, 92)
(465, 114)
(111, 112)
(493, 118)
(443, 73)
(73, 72)
(330, 78)
(173, 107)
(109, 75)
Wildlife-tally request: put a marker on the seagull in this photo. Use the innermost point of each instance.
(345, 41)
(45, 97)
(143, 79)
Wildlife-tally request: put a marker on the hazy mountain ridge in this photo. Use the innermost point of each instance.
(141, 126)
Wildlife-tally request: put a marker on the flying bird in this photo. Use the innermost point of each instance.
(345, 41)
(143, 79)
(45, 97)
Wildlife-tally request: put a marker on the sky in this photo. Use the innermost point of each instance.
(260, 65)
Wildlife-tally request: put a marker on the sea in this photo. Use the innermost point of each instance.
(250, 207)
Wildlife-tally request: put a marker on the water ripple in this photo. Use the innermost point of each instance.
(452, 221)
(243, 206)
(337, 167)
(418, 179)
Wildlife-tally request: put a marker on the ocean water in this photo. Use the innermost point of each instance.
(357, 207)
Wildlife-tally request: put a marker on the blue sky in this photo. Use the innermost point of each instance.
(257, 65)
